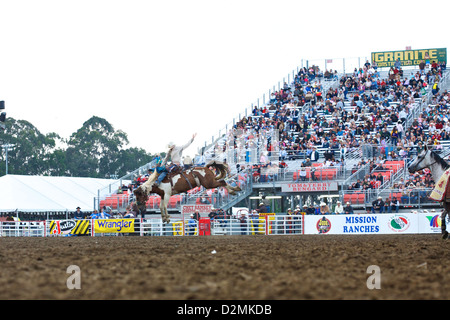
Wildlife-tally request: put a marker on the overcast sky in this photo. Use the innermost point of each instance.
(162, 70)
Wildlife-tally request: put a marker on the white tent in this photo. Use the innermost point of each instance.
(39, 193)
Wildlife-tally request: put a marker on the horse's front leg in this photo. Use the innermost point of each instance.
(443, 223)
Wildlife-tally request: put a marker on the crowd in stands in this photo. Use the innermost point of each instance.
(364, 110)
(300, 118)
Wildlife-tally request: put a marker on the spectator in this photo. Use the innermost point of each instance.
(243, 222)
(78, 214)
(262, 208)
(94, 214)
(394, 204)
(303, 211)
(378, 205)
(200, 160)
(192, 224)
(314, 155)
(311, 210)
(196, 215)
(212, 215)
(435, 88)
(324, 209)
(102, 214)
(348, 209)
(338, 209)
(302, 173)
(187, 162)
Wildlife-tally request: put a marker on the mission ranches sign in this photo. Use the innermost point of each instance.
(408, 57)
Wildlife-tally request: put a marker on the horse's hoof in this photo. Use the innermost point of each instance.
(445, 235)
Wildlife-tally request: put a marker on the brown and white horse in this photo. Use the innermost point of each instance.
(181, 182)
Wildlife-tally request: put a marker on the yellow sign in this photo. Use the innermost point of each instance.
(409, 57)
(178, 228)
(114, 225)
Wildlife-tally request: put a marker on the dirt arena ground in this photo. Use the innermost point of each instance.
(242, 267)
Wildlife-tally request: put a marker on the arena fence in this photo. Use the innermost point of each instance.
(414, 222)
(263, 225)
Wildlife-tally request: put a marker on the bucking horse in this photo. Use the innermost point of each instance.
(182, 181)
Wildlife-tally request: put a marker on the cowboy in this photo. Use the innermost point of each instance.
(175, 152)
(161, 170)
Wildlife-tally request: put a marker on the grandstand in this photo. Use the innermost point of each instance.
(322, 138)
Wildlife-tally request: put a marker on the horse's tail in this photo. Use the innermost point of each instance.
(222, 167)
(141, 197)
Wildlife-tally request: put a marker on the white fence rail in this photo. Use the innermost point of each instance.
(23, 229)
(263, 225)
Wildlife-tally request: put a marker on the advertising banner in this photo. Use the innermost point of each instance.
(201, 208)
(65, 227)
(310, 187)
(114, 225)
(61, 227)
(409, 57)
(178, 228)
(388, 223)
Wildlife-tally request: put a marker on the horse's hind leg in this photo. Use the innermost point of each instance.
(163, 207)
(232, 190)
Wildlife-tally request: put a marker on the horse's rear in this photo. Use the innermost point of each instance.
(141, 199)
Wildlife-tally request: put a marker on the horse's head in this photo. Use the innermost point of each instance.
(424, 160)
(141, 199)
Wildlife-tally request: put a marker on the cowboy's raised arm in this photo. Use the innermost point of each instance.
(189, 142)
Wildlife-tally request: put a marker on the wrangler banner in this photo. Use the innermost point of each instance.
(409, 57)
(114, 225)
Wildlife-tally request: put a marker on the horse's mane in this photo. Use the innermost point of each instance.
(439, 160)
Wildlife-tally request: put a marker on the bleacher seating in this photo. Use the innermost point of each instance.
(325, 123)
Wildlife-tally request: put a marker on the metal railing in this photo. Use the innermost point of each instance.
(417, 197)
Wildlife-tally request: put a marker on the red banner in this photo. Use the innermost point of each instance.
(201, 208)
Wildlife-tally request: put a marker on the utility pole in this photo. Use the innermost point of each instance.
(2, 116)
(7, 147)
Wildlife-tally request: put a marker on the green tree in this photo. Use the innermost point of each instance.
(95, 150)
(29, 155)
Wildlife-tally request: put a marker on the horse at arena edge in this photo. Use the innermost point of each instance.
(438, 167)
(182, 181)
